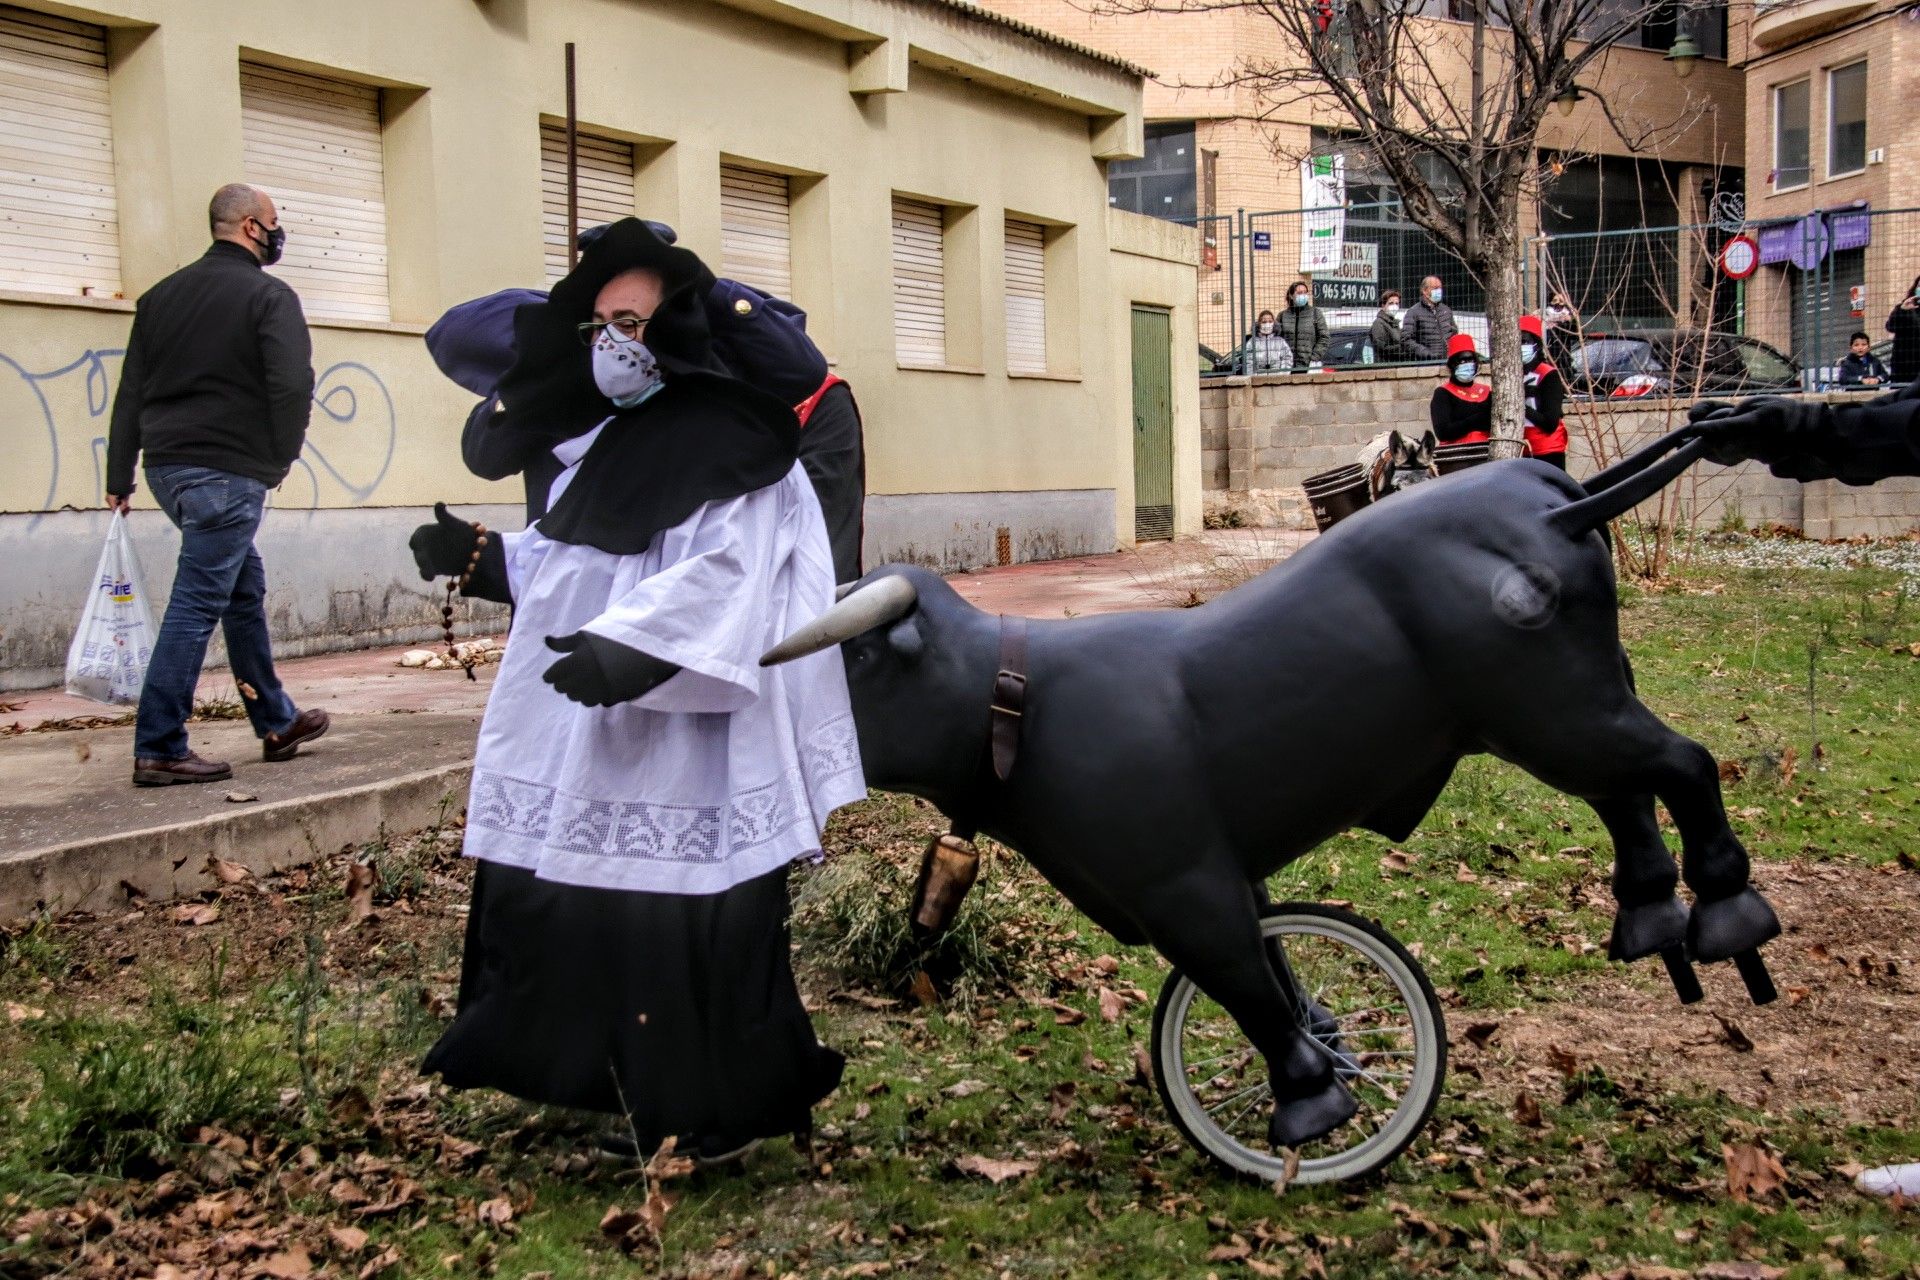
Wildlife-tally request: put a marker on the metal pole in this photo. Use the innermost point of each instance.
(573, 166)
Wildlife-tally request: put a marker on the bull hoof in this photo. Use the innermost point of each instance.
(1300, 1120)
(1725, 927)
(1647, 929)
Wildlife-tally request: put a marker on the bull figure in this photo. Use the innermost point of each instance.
(1168, 762)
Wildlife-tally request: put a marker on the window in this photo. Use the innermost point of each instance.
(1790, 137)
(1163, 182)
(1847, 120)
(919, 282)
(59, 217)
(605, 178)
(314, 145)
(1026, 290)
(756, 229)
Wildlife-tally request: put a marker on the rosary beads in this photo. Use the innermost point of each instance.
(454, 587)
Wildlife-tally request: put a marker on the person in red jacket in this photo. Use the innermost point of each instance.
(1546, 396)
(1461, 411)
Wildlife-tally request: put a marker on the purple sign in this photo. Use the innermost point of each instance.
(1776, 242)
(1810, 242)
(1852, 229)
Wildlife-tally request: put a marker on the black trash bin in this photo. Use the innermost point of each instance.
(1449, 458)
(1334, 495)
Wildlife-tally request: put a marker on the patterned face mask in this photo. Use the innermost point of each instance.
(623, 369)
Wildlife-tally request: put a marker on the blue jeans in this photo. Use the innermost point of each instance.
(219, 580)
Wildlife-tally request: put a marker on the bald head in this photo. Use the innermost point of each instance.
(244, 215)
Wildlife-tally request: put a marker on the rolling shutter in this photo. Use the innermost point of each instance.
(919, 283)
(606, 189)
(314, 146)
(59, 218)
(756, 229)
(1026, 288)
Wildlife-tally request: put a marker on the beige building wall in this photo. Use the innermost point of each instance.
(855, 100)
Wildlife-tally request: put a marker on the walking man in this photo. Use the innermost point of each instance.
(215, 390)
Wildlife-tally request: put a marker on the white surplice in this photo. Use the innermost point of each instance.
(717, 775)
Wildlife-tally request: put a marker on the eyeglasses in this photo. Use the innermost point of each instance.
(627, 327)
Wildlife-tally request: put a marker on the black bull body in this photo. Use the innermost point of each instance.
(1170, 761)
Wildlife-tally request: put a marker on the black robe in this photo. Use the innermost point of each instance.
(678, 1012)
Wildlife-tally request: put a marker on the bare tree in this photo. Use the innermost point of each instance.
(1390, 72)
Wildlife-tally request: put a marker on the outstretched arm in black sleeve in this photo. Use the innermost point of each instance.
(1855, 444)
(445, 549)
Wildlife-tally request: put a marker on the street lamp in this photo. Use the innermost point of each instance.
(1683, 55)
(1567, 101)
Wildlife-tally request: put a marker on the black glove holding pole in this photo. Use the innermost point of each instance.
(598, 672)
(442, 550)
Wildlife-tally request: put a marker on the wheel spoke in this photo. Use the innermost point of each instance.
(1233, 1098)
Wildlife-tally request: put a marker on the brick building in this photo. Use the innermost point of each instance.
(1832, 167)
(1214, 148)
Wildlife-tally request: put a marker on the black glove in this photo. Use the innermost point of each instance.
(599, 672)
(442, 549)
(1785, 433)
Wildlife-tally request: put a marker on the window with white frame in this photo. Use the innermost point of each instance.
(756, 229)
(1792, 163)
(604, 189)
(59, 215)
(314, 145)
(1847, 119)
(1024, 263)
(919, 282)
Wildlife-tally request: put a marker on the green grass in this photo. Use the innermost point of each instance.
(301, 1042)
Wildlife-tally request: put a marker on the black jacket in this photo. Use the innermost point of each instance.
(1305, 330)
(1904, 324)
(1385, 336)
(1855, 370)
(1424, 330)
(218, 373)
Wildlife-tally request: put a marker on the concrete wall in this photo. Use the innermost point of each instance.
(874, 98)
(1261, 437)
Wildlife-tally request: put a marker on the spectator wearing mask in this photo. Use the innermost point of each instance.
(1860, 367)
(1904, 324)
(1428, 327)
(1388, 346)
(1462, 406)
(1267, 351)
(1546, 430)
(1304, 327)
(1562, 324)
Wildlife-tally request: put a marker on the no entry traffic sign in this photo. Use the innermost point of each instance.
(1740, 257)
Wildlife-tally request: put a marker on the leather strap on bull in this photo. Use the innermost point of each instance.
(951, 864)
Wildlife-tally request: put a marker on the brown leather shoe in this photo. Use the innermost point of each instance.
(285, 745)
(149, 772)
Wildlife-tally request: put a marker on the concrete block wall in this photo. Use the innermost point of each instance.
(1261, 437)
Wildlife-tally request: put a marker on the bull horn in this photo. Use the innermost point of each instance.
(873, 605)
(844, 590)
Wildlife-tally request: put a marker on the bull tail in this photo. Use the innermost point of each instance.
(1627, 483)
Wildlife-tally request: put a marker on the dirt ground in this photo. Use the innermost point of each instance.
(1845, 1032)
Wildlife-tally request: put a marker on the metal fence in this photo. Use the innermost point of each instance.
(1250, 261)
(1815, 280)
(1802, 286)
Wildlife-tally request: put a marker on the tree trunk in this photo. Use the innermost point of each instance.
(1500, 276)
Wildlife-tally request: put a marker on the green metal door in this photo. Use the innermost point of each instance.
(1152, 424)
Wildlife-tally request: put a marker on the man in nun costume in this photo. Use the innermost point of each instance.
(641, 785)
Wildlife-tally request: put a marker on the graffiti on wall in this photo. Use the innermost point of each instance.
(350, 440)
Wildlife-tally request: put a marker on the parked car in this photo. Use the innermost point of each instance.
(1690, 362)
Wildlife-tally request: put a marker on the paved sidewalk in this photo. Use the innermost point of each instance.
(74, 832)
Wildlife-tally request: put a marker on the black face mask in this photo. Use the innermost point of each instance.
(275, 245)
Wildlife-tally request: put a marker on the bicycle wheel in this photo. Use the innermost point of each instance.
(1372, 1010)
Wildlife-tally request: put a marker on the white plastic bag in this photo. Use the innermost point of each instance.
(107, 660)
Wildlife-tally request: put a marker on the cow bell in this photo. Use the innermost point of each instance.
(947, 871)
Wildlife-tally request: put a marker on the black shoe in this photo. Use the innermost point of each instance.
(285, 745)
(149, 772)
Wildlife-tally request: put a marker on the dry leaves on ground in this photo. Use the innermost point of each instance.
(995, 1171)
(1753, 1173)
